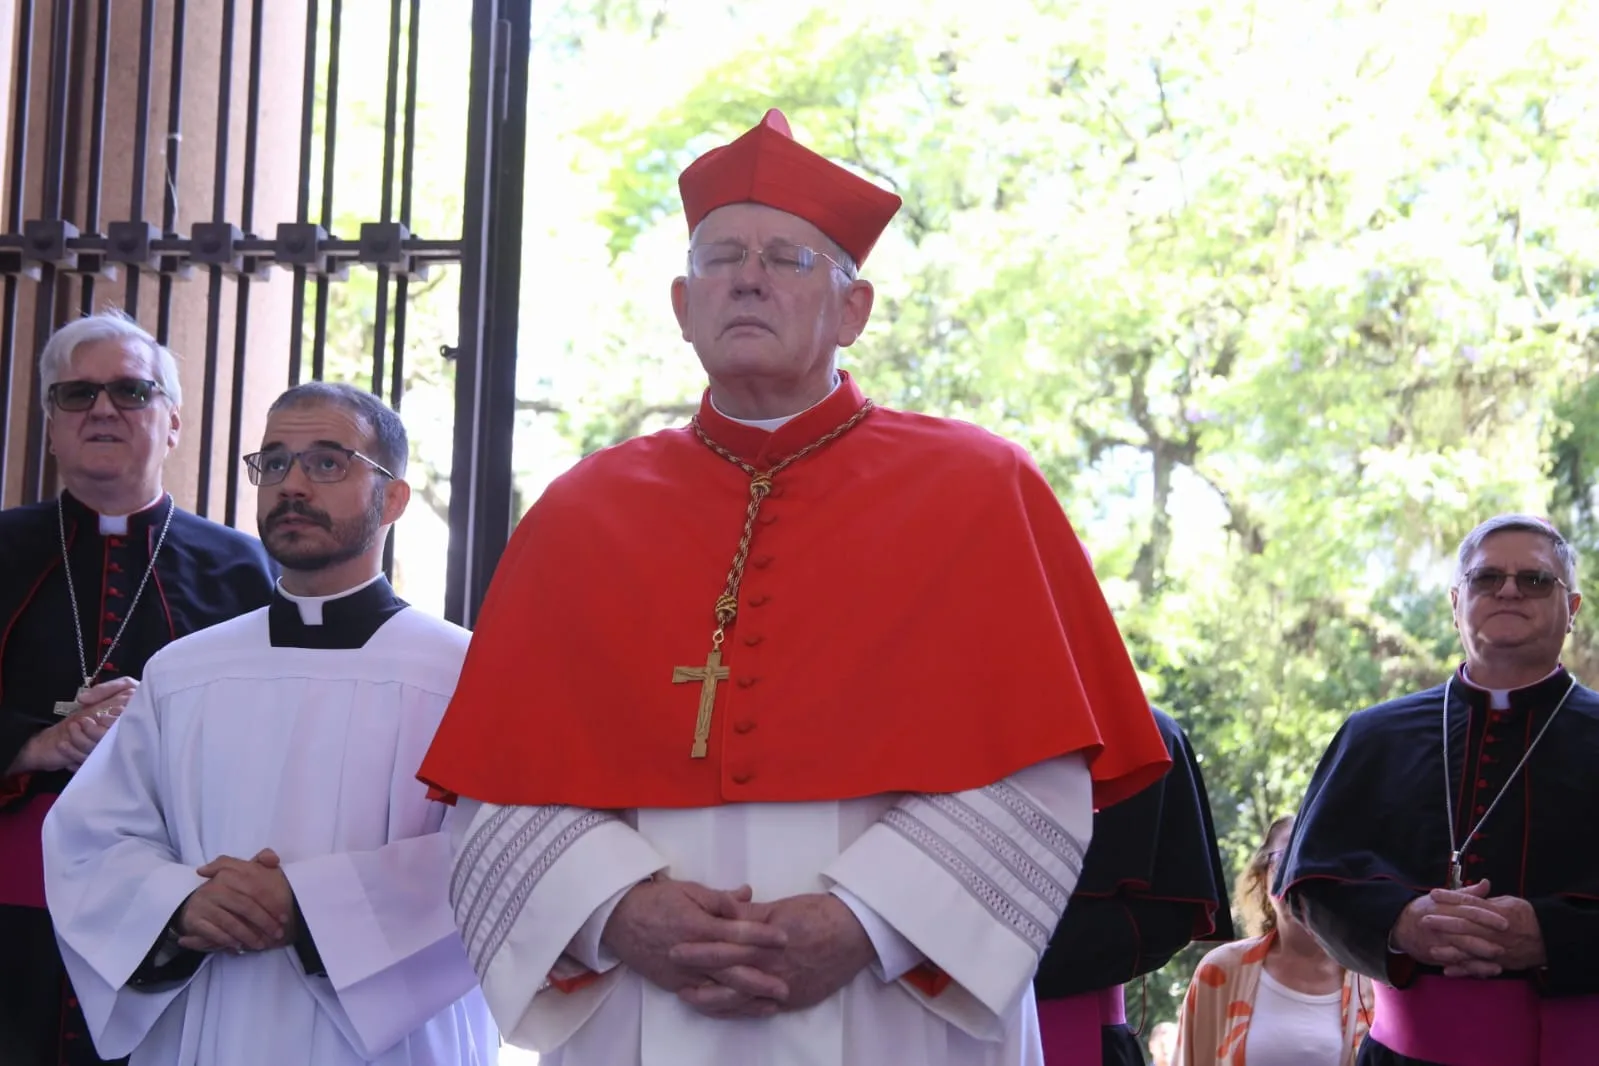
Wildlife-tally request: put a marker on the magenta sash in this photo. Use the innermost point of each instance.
(1070, 1027)
(1463, 1021)
(22, 853)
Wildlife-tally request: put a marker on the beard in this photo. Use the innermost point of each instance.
(351, 536)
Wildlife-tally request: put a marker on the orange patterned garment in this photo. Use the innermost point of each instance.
(1214, 1026)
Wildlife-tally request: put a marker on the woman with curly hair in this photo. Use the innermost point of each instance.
(1276, 999)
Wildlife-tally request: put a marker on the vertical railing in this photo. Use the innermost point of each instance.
(485, 384)
(21, 87)
(330, 125)
(171, 265)
(214, 246)
(309, 237)
(247, 268)
(64, 183)
(38, 233)
(90, 266)
(136, 235)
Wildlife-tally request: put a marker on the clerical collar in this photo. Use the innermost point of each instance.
(1548, 687)
(772, 424)
(764, 447)
(343, 621)
(115, 525)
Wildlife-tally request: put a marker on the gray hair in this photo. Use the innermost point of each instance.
(1565, 554)
(110, 325)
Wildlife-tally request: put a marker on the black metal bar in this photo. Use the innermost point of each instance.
(241, 325)
(296, 324)
(320, 330)
(241, 318)
(19, 114)
(91, 194)
(408, 160)
(402, 283)
(19, 156)
(380, 326)
(55, 135)
(169, 209)
(252, 123)
(141, 144)
(213, 304)
(485, 419)
(391, 106)
(44, 313)
(330, 127)
(72, 146)
(464, 558)
(402, 287)
(397, 371)
(219, 180)
(303, 208)
(208, 399)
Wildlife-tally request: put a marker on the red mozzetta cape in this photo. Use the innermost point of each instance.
(917, 615)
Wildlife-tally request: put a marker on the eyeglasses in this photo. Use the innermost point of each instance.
(723, 259)
(1533, 584)
(324, 465)
(127, 394)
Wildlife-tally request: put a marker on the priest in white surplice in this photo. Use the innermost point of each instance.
(247, 871)
(824, 804)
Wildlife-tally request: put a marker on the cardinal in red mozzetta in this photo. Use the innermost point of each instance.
(782, 731)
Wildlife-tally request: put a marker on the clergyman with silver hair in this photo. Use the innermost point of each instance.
(1444, 846)
(95, 581)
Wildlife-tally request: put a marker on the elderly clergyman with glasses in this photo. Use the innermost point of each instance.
(249, 872)
(92, 583)
(781, 733)
(1446, 845)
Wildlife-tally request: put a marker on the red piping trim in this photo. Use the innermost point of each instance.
(99, 625)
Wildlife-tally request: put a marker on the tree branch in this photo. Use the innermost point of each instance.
(632, 415)
(1528, 282)
(428, 490)
(540, 407)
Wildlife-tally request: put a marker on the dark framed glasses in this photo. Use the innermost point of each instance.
(1533, 584)
(127, 394)
(324, 464)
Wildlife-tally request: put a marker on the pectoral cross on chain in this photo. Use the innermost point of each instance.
(68, 708)
(708, 675)
(727, 603)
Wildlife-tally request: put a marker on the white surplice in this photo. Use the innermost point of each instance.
(230, 746)
(972, 882)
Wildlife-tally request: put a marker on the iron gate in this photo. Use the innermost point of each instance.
(74, 243)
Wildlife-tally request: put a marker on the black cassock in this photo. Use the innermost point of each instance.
(1373, 834)
(205, 573)
(1152, 883)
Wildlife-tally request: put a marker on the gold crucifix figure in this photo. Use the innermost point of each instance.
(708, 675)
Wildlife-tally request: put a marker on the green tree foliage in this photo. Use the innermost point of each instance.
(1283, 298)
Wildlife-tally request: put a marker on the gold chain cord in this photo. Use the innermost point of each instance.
(760, 486)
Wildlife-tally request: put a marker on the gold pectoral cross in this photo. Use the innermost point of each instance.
(708, 675)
